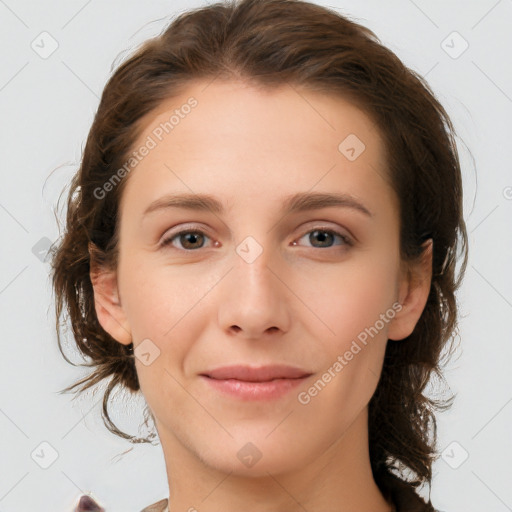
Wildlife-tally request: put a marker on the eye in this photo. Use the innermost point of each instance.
(188, 239)
(325, 238)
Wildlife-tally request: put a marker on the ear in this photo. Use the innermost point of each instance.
(414, 289)
(106, 300)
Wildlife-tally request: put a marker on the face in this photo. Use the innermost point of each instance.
(290, 258)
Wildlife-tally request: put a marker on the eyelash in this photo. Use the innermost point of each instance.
(345, 239)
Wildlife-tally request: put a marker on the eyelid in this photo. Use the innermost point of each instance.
(323, 225)
(168, 236)
(179, 228)
(348, 239)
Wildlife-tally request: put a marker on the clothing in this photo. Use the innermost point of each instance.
(88, 504)
(396, 491)
(159, 506)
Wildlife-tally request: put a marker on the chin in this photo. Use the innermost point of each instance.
(254, 456)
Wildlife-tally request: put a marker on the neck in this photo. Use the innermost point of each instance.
(340, 479)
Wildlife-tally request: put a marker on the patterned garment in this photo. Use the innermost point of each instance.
(88, 504)
(398, 492)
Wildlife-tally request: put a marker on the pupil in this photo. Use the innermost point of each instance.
(322, 236)
(190, 239)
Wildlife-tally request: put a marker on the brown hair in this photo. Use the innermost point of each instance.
(269, 43)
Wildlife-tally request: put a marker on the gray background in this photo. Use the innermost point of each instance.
(47, 106)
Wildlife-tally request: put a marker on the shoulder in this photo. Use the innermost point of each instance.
(88, 504)
(159, 506)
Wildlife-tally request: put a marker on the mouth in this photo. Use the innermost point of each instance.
(255, 383)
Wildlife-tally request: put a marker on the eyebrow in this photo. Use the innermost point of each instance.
(300, 202)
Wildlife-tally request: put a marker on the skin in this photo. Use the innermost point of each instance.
(301, 304)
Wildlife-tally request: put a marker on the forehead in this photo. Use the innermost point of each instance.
(218, 107)
(226, 137)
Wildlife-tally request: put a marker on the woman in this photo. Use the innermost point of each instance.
(262, 239)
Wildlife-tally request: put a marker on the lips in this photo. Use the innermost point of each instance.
(248, 383)
(256, 374)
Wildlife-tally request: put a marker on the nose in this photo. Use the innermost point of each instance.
(254, 298)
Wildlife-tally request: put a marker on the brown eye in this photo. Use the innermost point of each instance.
(189, 240)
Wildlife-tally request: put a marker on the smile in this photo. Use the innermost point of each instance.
(248, 383)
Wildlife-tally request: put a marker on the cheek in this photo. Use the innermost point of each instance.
(350, 299)
(355, 308)
(158, 299)
(150, 307)
(166, 318)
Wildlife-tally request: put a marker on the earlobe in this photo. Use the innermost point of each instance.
(109, 310)
(414, 290)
